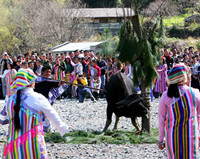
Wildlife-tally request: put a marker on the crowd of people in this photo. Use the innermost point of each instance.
(79, 67)
(30, 83)
(28, 113)
(178, 113)
(171, 57)
(84, 67)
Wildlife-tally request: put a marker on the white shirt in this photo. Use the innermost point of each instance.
(78, 68)
(40, 103)
(7, 71)
(194, 68)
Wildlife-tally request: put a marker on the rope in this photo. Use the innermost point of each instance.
(72, 83)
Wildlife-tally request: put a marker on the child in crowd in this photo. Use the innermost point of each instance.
(82, 91)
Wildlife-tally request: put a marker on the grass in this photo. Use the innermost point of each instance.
(109, 137)
(194, 26)
(175, 20)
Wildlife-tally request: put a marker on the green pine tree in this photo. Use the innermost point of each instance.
(140, 46)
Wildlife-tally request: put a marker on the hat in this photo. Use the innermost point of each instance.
(43, 54)
(177, 74)
(24, 62)
(22, 79)
(80, 56)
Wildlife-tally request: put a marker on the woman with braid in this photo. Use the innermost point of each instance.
(25, 111)
(179, 116)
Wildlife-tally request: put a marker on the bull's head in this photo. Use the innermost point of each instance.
(135, 104)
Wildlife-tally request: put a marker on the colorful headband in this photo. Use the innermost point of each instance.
(177, 74)
(22, 79)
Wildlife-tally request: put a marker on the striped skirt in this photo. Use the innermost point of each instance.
(181, 128)
(30, 145)
(96, 84)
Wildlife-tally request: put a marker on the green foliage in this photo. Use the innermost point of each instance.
(175, 20)
(189, 10)
(176, 27)
(183, 33)
(110, 45)
(110, 137)
(161, 31)
(145, 3)
(126, 42)
(107, 45)
(193, 26)
(54, 138)
(7, 39)
(140, 46)
(101, 4)
(198, 45)
(114, 3)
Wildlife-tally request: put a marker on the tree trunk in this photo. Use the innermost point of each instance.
(146, 125)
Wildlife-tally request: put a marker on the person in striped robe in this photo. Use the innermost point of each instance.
(8, 75)
(179, 116)
(25, 111)
(59, 70)
(95, 80)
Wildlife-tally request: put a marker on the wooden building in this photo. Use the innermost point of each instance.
(100, 19)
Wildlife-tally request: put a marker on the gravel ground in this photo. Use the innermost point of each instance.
(90, 116)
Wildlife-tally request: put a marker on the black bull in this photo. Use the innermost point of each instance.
(123, 100)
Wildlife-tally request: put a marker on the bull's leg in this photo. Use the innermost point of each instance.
(135, 123)
(116, 123)
(109, 119)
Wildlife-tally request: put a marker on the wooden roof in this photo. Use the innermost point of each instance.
(105, 12)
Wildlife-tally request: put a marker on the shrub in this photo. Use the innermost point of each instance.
(183, 33)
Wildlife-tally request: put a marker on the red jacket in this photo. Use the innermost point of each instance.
(98, 70)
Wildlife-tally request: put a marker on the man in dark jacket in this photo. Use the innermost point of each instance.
(103, 66)
(44, 85)
(169, 59)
